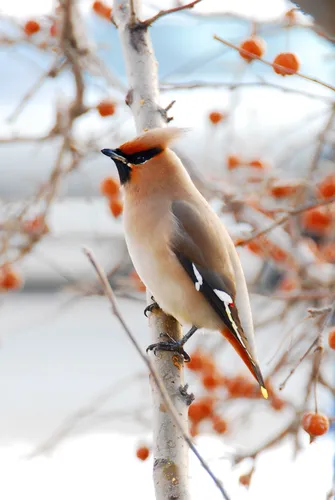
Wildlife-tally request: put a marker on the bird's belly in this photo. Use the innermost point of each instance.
(172, 288)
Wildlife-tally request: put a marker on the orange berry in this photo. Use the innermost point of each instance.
(219, 424)
(211, 381)
(216, 117)
(196, 361)
(36, 226)
(106, 108)
(233, 161)
(289, 64)
(142, 453)
(257, 164)
(252, 48)
(201, 362)
(139, 285)
(208, 364)
(317, 220)
(245, 479)
(269, 388)
(239, 387)
(200, 410)
(10, 279)
(277, 403)
(256, 247)
(277, 253)
(102, 10)
(288, 284)
(328, 252)
(31, 27)
(291, 16)
(327, 187)
(194, 430)
(315, 424)
(283, 190)
(331, 339)
(53, 29)
(109, 187)
(116, 207)
(255, 204)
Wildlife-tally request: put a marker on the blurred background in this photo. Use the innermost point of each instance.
(74, 396)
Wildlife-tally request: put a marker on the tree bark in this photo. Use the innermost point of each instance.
(170, 451)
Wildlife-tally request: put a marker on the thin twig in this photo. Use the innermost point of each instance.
(115, 309)
(284, 218)
(166, 87)
(303, 295)
(272, 442)
(321, 141)
(55, 68)
(325, 384)
(245, 52)
(292, 371)
(87, 411)
(324, 318)
(162, 13)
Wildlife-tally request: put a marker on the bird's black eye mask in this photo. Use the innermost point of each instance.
(141, 157)
(124, 161)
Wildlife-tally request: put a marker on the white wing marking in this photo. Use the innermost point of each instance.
(225, 297)
(199, 281)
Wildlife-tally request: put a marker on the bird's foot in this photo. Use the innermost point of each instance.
(150, 307)
(172, 345)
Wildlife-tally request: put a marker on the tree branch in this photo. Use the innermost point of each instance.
(162, 13)
(320, 144)
(284, 218)
(305, 77)
(171, 470)
(170, 441)
(168, 86)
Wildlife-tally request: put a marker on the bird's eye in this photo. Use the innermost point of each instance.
(143, 156)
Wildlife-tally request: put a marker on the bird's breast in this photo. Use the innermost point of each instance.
(162, 274)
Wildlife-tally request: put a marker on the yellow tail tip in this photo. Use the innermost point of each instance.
(264, 393)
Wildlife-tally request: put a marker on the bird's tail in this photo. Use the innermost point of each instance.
(242, 350)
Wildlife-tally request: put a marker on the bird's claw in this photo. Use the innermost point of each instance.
(173, 346)
(150, 308)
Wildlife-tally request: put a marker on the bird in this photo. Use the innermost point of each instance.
(180, 248)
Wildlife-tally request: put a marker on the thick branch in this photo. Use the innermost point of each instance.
(170, 441)
(169, 446)
(169, 469)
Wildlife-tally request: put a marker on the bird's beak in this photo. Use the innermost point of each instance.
(114, 155)
(242, 349)
(122, 164)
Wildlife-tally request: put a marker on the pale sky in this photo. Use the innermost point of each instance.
(255, 8)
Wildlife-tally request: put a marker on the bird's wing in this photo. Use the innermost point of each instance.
(199, 251)
(195, 247)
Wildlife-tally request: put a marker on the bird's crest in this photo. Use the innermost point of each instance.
(155, 138)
